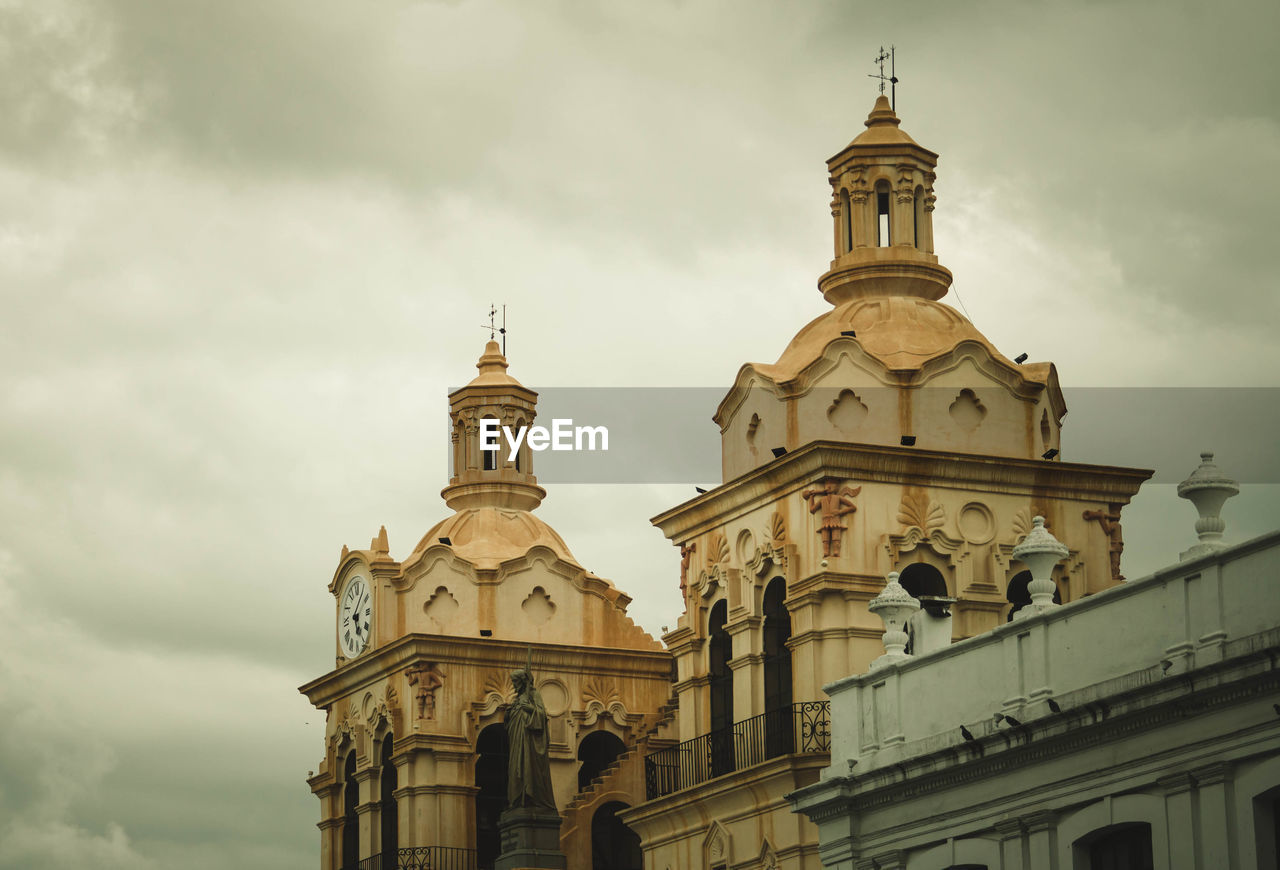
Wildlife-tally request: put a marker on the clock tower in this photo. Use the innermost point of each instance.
(414, 761)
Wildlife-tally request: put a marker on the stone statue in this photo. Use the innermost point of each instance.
(528, 765)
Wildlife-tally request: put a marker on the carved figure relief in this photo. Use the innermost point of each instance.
(686, 557)
(833, 502)
(1110, 522)
(427, 678)
(847, 411)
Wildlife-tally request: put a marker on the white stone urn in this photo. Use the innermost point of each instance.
(894, 605)
(1208, 489)
(1039, 551)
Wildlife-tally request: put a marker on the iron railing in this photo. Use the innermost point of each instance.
(800, 728)
(422, 858)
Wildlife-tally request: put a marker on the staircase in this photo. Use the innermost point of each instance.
(625, 776)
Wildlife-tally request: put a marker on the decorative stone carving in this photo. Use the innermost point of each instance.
(427, 677)
(441, 606)
(1039, 551)
(833, 502)
(718, 548)
(538, 606)
(847, 411)
(922, 513)
(1022, 524)
(1110, 522)
(894, 605)
(967, 410)
(1208, 488)
(976, 522)
(686, 557)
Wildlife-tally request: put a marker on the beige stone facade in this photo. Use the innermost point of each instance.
(889, 436)
(484, 591)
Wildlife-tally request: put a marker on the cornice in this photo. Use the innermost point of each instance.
(480, 653)
(898, 466)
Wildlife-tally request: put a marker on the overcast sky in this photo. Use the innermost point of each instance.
(246, 248)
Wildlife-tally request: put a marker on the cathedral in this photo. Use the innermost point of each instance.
(891, 485)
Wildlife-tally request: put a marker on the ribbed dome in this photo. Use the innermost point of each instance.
(488, 536)
(903, 332)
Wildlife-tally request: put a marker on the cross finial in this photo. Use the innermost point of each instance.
(493, 327)
(891, 78)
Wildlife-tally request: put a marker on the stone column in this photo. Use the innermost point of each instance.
(1181, 843)
(1010, 844)
(366, 811)
(1216, 826)
(1040, 828)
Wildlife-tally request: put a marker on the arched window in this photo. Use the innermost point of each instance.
(778, 724)
(490, 459)
(917, 217)
(350, 821)
(388, 811)
(614, 846)
(1020, 596)
(491, 799)
(719, 652)
(598, 750)
(1120, 847)
(846, 223)
(1266, 821)
(884, 232)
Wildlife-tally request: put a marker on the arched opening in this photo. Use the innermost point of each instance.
(1046, 433)
(779, 727)
(846, 223)
(614, 846)
(350, 822)
(388, 812)
(598, 750)
(1020, 596)
(884, 235)
(917, 217)
(1266, 827)
(490, 459)
(926, 584)
(923, 581)
(1120, 847)
(719, 652)
(491, 799)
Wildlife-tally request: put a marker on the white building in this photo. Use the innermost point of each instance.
(1134, 728)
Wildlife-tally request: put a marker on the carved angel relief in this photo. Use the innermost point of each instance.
(427, 678)
(833, 502)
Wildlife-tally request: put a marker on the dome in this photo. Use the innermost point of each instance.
(488, 536)
(902, 332)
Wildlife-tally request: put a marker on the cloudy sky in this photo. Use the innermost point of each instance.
(246, 248)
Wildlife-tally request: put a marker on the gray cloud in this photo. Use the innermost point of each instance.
(245, 249)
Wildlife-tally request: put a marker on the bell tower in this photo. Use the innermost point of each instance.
(882, 209)
(491, 478)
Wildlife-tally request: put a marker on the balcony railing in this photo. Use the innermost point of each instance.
(800, 728)
(422, 858)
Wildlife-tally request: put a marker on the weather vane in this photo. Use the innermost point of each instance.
(891, 78)
(494, 329)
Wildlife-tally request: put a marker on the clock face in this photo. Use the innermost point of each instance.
(354, 614)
